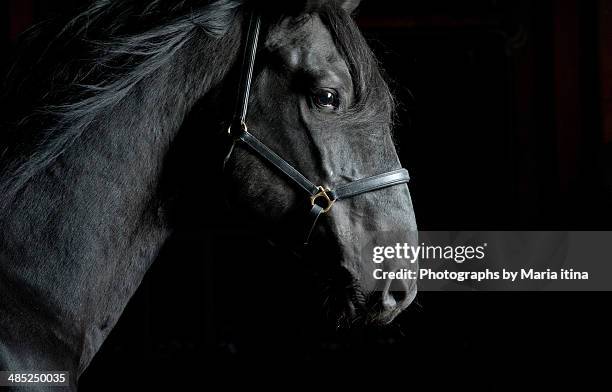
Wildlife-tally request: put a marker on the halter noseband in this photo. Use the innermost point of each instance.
(238, 130)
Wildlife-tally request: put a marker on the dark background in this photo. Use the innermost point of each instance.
(505, 122)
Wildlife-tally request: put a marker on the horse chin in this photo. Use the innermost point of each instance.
(359, 311)
(353, 317)
(374, 317)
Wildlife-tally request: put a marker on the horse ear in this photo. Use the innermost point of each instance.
(348, 5)
(313, 5)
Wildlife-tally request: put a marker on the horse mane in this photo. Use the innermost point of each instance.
(59, 87)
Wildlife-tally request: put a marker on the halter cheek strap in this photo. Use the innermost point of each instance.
(321, 198)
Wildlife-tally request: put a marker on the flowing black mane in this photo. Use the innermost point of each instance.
(93, 62)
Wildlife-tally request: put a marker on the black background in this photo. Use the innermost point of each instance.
(501, 126)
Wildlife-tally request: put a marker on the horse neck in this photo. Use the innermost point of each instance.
(77, 241)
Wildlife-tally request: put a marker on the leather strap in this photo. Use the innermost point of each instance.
(370, 184)
(341, 192)
(313, 217)
(267, 154)
(246, 76)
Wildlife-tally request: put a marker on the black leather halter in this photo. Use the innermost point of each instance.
(322, 198)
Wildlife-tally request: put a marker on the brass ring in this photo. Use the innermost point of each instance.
(322, 194)
(243, 127)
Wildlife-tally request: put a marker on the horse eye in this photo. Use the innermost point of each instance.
(326, 99)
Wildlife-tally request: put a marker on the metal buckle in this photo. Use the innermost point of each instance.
(322, 194)
(243, 127)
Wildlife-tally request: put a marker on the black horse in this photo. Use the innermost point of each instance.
(90, 177)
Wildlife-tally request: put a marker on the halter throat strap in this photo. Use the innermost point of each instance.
(322, 198)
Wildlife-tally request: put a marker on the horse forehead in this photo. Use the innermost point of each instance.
(305, 44)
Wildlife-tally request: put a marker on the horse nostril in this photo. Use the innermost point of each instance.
(397, 294)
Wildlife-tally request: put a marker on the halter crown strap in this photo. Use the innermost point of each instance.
(246, 76)
(317, 194)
